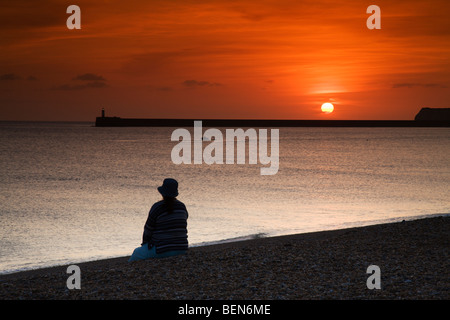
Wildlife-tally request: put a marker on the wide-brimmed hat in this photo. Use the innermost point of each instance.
(169, 188)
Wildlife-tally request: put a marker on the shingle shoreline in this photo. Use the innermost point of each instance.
(413, 257)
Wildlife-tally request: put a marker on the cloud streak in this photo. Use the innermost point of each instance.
(90, 81)
(89, 77)
(9, 77)
(68, 87)
(14, 77)
(195, 83)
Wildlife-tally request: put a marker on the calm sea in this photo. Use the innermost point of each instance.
(71, 192)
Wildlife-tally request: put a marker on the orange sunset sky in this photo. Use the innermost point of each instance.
(223, 59)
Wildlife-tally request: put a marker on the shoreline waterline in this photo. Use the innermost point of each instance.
(225, 242)
(412, 256)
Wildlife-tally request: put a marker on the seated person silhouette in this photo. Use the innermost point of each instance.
(165, 232)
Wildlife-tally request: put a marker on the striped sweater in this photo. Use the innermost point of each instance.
(166, 230)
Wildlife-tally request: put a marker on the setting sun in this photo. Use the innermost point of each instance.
(327, 107)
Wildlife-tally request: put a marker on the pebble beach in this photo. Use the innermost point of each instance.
(412, 256)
